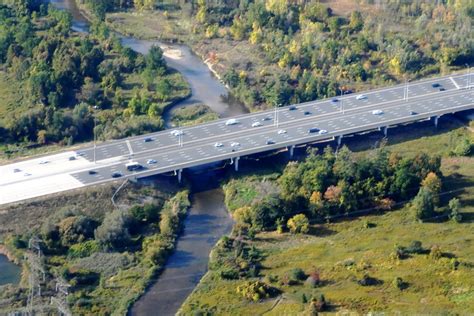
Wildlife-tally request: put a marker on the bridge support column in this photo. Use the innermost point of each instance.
(180, 171)
(385, 130)
(436, 118)
(292, 150)
(236, 163)
(339, 140)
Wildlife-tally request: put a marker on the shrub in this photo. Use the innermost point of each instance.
(435, 252)
(256, 291)
(298, 224)
(399, 284)
(317, 304)
(415, 247)
(297, 274)
(229, 274)
(369, 281)
(423, 204)
(84, 249)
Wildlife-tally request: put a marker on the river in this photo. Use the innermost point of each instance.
(9, 272)
(208, 218)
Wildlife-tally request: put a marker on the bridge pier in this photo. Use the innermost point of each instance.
(339, 140)
(180, 171)
(436, 118)
(385, 130)
(292, 150)
(236, 163)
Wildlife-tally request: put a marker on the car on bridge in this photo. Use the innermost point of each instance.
(148, 139)
(377, 112)
(151, 161)
(361, 97)
(282, 131)
(116, 174)
(322, 132)
(217, 145)
(292, 108)
(232, 122)
(234, 144)
(133, 166)
(270, 142)
(313, 130)
(256, 124)
(176, 132)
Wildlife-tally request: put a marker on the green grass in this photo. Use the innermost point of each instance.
(434, 287)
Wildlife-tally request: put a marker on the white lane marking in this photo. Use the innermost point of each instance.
(455, 83)
(129, 147)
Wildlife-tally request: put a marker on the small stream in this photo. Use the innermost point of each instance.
(9, 272)
(208, 218)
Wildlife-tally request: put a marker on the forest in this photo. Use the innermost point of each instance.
(71, 82)
(273, 52)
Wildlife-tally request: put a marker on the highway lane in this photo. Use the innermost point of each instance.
(296, 134)
(162, 140)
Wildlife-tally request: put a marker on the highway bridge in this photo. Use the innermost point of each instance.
(229, 139)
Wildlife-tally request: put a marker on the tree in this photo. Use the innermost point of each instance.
(453, 207)
(432, 183)
(154, 59)
(298, 224)
(423, 205)
(356, 22)
(113, 232)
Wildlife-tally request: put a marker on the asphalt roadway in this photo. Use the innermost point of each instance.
(277, 129)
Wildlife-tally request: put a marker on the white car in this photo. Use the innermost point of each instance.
(43, 162)
(234, 144)
(377, 112)
(323, 131)
(231, 122)
(176, 132)
(361, 97)
(217, 145)
(151, 161)
(256, 124)
(282, 131)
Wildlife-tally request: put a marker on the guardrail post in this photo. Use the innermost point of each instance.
(236, 163)
(436, 121)
(292, 150)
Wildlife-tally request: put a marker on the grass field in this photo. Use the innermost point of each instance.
(343, 252)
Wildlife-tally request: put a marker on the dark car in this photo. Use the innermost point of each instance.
(306, 112)
(92, 172)
(313, 130)
(270, 142)
(442, 89)
(334, 100)
(435, 85)
(148, 139)
(292, 108)
(413, 113)
(266, 118)
(72, 158)
(116, 174)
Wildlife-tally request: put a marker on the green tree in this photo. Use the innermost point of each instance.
(453, 207)
(422, 205)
